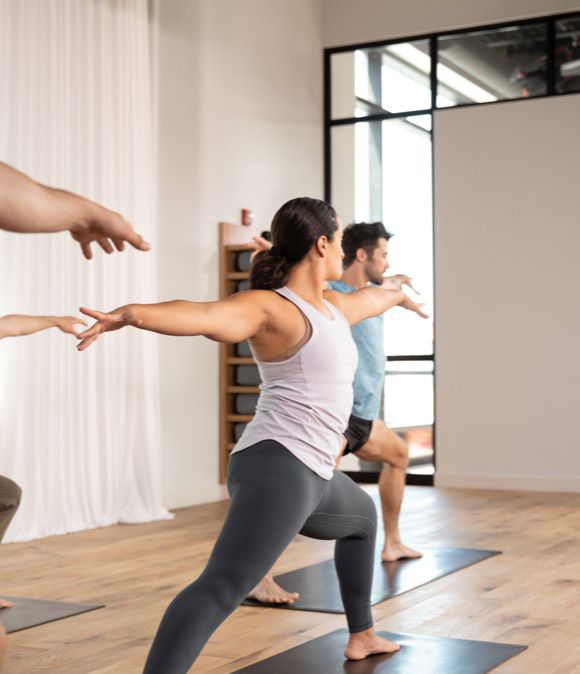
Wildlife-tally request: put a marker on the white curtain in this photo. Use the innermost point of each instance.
(79, 431)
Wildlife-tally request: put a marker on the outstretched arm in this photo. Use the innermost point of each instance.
(16, 325)
(231, 320)
(397, 282)
(371, 301)
(29, 207)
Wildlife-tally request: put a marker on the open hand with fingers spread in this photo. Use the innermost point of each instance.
(408, 304)
(107, 229)
(106, 322)
(27, 206)
(397, 282)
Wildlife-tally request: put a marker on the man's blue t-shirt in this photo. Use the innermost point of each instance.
(370, 374)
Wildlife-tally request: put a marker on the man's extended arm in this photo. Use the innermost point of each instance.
(29, 207)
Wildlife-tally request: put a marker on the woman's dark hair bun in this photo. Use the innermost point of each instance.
(296, 227)
(269, 270)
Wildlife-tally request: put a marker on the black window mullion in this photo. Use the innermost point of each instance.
(341, 121)
(419, 357)
(327, 115)
(433, 74)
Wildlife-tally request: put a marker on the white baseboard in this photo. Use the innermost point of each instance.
(509, 482)
(195, 496)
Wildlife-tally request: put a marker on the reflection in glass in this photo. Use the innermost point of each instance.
(409, 409)
(567, 55)
(499, 64)
(393, 78)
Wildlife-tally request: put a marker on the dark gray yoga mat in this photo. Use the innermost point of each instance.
(318, 584)
(31, 612)
(418, 655)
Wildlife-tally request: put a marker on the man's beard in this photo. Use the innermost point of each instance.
(375, 280)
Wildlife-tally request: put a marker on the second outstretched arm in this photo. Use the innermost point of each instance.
(371, 301)
(231, 320)
(19, 325)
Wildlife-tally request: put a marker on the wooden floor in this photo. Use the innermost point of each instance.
(528, 595)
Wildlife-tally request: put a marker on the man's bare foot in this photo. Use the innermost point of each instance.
(2, 644)
(363, 644)
(4, 603)
(394, 550)
(267, 591)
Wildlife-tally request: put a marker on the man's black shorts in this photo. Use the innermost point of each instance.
(357, 434)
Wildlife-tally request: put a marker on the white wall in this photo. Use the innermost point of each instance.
(240, 125)
(507, 282)
(349, 22)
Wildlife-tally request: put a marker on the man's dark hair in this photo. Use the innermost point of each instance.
(363, 235)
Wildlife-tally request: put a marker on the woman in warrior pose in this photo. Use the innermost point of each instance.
(281, 475)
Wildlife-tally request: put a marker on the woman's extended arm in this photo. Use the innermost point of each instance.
(18, 325)
(371, 301)
(231, 320)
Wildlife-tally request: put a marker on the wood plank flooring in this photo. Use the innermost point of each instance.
(528, 595)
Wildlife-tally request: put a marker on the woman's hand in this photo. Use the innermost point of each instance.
(106, 322)
(408, 304)
(68, 324)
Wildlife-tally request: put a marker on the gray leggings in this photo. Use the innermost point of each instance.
(274, 496)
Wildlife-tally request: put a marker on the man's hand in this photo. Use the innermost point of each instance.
(258, 245)
(106, 229)
(397, 282)
(27, 207)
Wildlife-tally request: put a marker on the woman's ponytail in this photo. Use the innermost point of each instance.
(269, 270)
(296, 228)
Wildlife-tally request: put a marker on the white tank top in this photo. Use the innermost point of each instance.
(306, 400)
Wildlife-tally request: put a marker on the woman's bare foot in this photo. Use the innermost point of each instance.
(2, 644)
(4, 603)
(394, 550)
(363, 644)
(267, 591)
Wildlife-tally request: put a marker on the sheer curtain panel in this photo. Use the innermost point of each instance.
(79, 431)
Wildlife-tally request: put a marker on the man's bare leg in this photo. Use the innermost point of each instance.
(267, 591)
(4, 603)
(386, 446)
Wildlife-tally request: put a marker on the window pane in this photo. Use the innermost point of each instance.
(348, 166)
(382, 171)
(568, 55)
(407, 211)
(406, 72)
(393, 78)
(408, 409)
(408, 399)
(492, 65)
